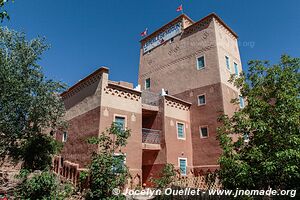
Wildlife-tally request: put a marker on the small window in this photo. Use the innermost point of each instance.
(200, 63)
(65, 137)
(120, 122)
(201, 100)
(180, 131)
(227, 62)
(182, 166)
(171, 40)
(242, 103)
(236, 69)
(204, 132)
(119, 163)
(147, 83)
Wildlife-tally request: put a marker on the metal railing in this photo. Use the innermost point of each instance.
(151, 136)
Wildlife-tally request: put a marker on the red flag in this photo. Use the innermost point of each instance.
(144, 33)
(179, 8)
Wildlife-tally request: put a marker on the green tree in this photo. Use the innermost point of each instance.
(30, 105)
(42, 186)
(270, 120)
(166, 177)
(107, 170)
(3, 12)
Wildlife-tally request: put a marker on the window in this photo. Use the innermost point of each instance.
(119, 163)
(182, 166)
(147, 83)
(180, 131)
(200, 63)
(227, 63)
(236, 69)
(120, 122)
(201, 100)
(65, 137)
(204, 132)
(242, 103)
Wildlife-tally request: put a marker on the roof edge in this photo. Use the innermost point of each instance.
(101, 70)
(159, 29)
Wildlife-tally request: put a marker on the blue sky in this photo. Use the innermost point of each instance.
(87, 34)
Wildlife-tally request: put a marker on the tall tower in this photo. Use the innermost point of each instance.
(193, 61)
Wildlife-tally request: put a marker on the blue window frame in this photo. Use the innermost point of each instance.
(236, 69)
(242, 103)
(180, 130)
(120, 122)
(182, 166)
(227, 62)
(200, 63)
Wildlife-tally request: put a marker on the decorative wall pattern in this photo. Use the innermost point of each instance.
(126, 94)
(81, 86)
(176, 104)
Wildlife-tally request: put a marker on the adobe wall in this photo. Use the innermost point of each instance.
(173, 65)
(177, 112)
(205, 150)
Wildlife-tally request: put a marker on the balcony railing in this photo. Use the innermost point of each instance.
(151, 136)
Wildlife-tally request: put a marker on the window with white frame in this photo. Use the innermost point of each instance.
(227, 62)
(201, 99)
(200, 63)
(64, 136)
(242, 102)
(236, 69)
(120, 121)
(147, 83)
(119, 162)
(182, 166)
(204, 131)
(180, 130)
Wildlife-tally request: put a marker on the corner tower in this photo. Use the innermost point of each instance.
(193, 61)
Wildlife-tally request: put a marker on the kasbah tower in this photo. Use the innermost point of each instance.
(195, 66)
(172, 114)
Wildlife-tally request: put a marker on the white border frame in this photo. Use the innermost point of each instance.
(184, 131)
(119, 115)
(234, 62)
(202, 55)
(62, 138)
(186, 165)
(200, 132)
(204, 94)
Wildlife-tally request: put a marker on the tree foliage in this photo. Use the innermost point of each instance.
(42, 186)
(270, 119)
(3, 12)
(108, 171)
(166, 177)
(30, 105)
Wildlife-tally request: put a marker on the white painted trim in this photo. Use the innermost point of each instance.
(203, 126)
(228, 62)
(199, 101)
(119, 115)
(184, 131)
(186, 165)
(202, 55)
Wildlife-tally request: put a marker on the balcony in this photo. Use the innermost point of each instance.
(151, 139)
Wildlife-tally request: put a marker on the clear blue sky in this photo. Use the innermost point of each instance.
(86, 34)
